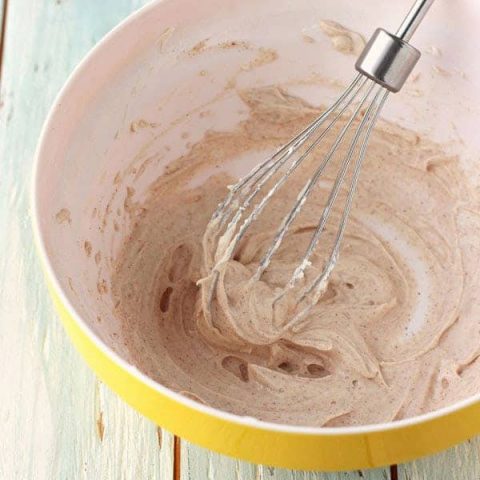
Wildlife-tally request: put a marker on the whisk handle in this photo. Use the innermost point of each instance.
(389, 59)
(413, 19)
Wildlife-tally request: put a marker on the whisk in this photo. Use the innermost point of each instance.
(384, 65)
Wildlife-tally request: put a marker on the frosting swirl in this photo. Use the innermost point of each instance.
(395, 334)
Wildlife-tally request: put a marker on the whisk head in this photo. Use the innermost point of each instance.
(353, 115)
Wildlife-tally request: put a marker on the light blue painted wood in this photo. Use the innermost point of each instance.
(459, 463)
(198, 463)
(58, 421)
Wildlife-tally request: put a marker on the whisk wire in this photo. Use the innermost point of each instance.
(306, 191)
(261, 205)
(231, 237)
(365, 128)
(285, 152)
(336, 186)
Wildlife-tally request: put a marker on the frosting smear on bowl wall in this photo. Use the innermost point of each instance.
(394, 335)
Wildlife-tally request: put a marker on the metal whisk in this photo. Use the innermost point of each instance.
(384, 65)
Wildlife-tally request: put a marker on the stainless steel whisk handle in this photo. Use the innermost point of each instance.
(413, 19)
(389, 59)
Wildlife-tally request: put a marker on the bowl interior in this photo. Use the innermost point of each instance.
(161, 81)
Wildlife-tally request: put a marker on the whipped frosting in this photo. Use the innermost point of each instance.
(396, 332)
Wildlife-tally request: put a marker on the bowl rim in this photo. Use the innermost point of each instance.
(88, 62)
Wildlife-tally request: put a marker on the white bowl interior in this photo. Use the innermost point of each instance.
(151, 90)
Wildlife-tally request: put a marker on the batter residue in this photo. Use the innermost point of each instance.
(397, 332)
(344, 40)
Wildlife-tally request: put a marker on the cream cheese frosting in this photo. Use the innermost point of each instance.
(395, 334)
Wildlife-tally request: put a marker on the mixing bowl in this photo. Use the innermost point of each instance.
(150, 90)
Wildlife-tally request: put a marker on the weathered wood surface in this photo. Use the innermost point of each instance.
(58, 421)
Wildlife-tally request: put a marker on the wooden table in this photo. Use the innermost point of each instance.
(57, 419)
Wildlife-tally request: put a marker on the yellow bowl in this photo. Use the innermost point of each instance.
(148, 69)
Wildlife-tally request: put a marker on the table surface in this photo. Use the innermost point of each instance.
(58, 420)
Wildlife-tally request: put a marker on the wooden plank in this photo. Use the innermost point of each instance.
(198, 463)
(58, 421)
(458, 463)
